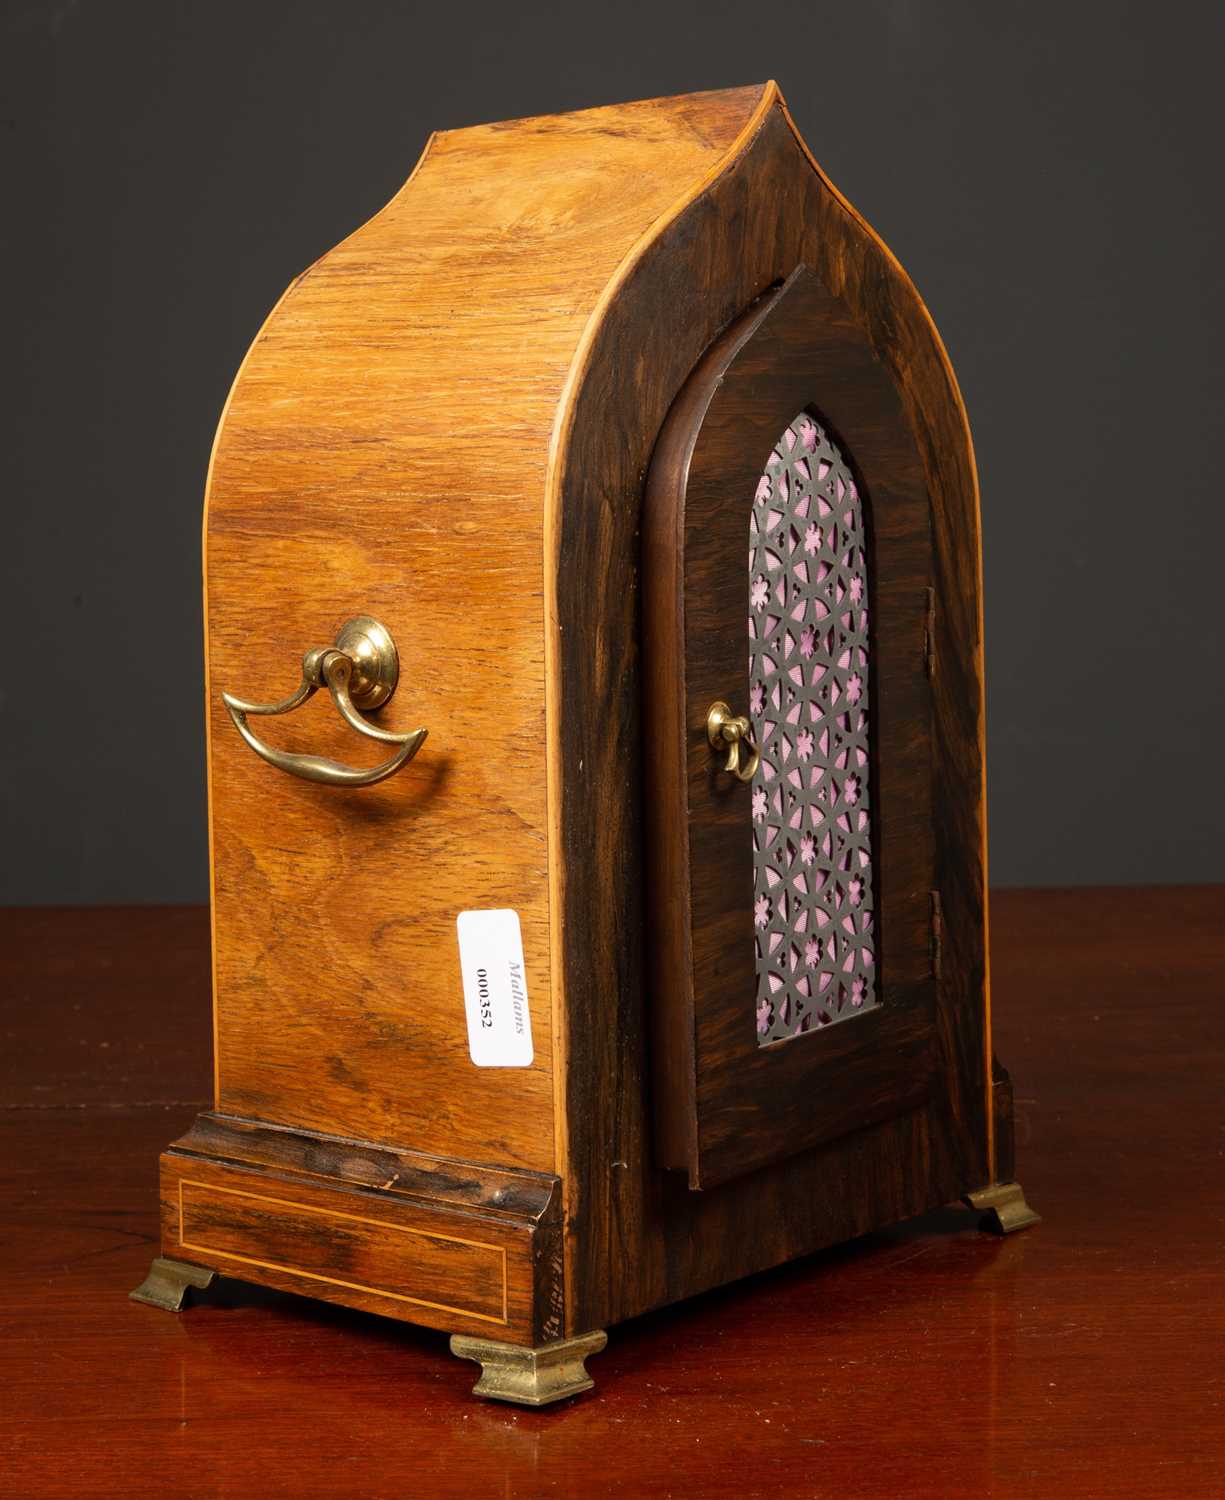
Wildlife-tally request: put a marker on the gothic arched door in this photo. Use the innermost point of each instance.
(788, 743)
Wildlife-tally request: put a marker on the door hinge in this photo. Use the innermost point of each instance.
(937, 938)
(929, 635)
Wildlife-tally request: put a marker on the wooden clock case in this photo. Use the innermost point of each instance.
(516, 418)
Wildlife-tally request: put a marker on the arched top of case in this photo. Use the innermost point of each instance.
(497, 254)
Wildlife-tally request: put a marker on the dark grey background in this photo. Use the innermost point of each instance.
(1049, 174)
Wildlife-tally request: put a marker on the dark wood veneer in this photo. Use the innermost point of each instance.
(724, 1105)
(449, 1244)
(637, 1237)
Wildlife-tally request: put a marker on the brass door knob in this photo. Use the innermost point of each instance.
(360, 671)
(730, 732)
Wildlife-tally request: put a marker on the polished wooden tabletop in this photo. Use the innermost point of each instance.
(1082, 1357)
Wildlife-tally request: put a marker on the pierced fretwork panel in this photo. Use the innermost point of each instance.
(808, 699)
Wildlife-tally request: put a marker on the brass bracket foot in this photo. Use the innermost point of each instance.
(532, 1377)
(168, 1282)
(1005, 1202)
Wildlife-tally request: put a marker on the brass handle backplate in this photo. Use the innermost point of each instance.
(360, 671)
(730, 732)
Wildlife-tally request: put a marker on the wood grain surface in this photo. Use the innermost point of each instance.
(391, 1260)
(768, 210)
(1081, 1358)
(466, 1248)
(385, 450)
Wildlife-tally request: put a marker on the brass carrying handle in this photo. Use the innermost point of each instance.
(360, 671)
(727, 731)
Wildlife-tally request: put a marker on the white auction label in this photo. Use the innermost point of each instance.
(495, 989)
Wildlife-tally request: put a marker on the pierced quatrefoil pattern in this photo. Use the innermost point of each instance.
(808, 700)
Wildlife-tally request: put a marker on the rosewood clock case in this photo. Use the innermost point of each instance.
(614, 480)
